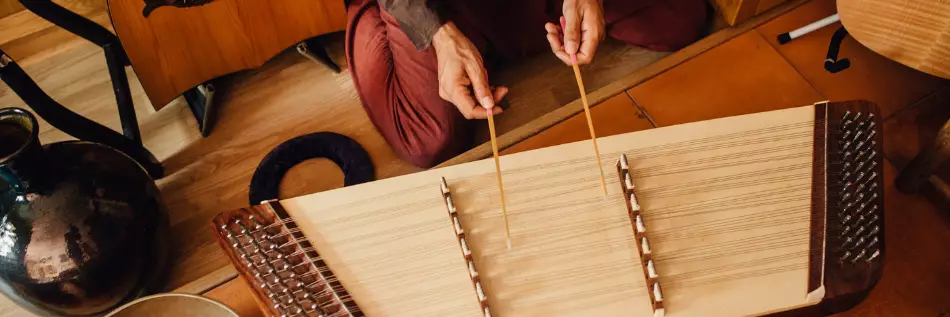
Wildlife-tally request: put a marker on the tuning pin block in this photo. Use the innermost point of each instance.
(650, 273)
(856, 153)
(464, 247)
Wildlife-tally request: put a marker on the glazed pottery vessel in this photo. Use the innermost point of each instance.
(82, 226)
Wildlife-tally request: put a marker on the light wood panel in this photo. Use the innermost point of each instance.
(175, 49)
(871, 76)
(744, 75)
(915, 33)
(392, 244)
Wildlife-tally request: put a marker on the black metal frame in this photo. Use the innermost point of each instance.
(68, 121)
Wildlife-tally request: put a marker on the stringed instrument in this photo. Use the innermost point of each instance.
(175, 45)
(749, 215)
(915, 33)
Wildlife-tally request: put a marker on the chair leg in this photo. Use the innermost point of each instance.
(116, 58)
(924, 164)
(313, 49)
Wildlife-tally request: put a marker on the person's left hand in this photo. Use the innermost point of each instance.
(583, 22)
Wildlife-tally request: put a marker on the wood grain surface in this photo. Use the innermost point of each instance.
(8, 7)
(175, 49)
(742, 76)
(915, 33)
(572, 249)
(871, 76)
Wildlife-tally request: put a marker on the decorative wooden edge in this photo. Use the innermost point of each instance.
(816, 244)
(260, 219)
(222, 219)
(848, 281)
(650, 274)
(463, 246)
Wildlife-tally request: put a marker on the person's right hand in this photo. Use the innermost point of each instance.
(461, 67)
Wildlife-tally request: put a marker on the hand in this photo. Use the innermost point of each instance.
(583, 24)
(460, 66)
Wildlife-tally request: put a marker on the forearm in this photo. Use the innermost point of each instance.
(419, 19)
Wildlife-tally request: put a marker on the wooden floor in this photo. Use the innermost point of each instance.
(291, 96)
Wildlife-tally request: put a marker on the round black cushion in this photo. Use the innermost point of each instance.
(345, 152)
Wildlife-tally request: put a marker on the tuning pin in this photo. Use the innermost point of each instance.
(858, 231)
(845, 146)
(845, 231)
(844, 256)
(844, 117)
(874, 255)
(859, 256)
(844, 177)
(845, 136)
(857, 136)
(860, 176)
(845, 197)
(859, 242)
(874, 230)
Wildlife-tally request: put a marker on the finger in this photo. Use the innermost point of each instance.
(571, 24)
(558, 49)
(500, 93)
(462, 98)
(482, 113)
(586, 53)
(476, 73)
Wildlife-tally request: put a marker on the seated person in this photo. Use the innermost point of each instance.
(419, 66)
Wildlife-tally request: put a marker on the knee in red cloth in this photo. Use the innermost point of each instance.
(663, 26)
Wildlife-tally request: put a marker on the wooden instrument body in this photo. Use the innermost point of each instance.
(727, 203)
(915, 33)
(177, 48)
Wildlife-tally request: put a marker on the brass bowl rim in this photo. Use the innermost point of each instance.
(142, 299)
